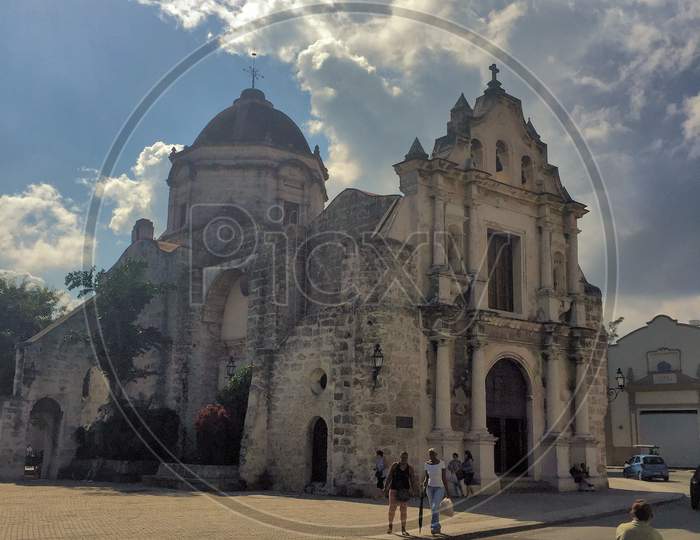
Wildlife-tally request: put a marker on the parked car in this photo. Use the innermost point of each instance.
(646, 467)
(695, 489)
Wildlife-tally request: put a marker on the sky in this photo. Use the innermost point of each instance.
(361, 87)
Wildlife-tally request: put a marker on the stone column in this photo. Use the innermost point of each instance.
(554, 408)
(439, 258)
(572, 257)
(546, 257)
(443, 387)
(584, 446)
(478, 388)
(581, 424)
(479, 441)
(477, 259)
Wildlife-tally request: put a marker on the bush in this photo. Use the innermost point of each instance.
(111, 437)
(220, 426)
(218, 440)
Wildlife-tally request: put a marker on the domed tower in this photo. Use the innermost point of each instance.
(250, 156)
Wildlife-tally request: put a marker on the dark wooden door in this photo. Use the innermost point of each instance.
(319, 451)
(506, 402)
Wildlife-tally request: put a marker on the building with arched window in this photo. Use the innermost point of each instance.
(452, 314)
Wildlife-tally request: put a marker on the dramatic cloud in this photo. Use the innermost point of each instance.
(624, 70)
(41, 231)
(133, 197)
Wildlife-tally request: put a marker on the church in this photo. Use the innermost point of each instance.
(453, 314)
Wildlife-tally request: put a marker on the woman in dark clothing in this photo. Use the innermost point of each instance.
(399, 486)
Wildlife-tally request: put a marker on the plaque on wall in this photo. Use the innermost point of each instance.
(404, 422)
(664, 378)
(664, 361)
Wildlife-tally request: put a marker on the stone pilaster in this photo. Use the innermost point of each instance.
(443, 438)
(479, 441)
(578, 316)
(477, 259)
(584, 446)
(546, 298)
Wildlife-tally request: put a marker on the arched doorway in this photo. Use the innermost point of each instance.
(319, 451)
(506, 415)
(42, 438)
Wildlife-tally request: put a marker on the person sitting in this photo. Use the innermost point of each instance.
(639, 528)
(579, 477)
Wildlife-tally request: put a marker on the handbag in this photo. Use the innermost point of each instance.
(447, 508)
(460, 474)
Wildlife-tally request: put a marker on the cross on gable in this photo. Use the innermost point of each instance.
(494, 71)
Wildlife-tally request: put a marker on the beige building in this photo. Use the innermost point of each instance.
(661, 402)
(467, 284)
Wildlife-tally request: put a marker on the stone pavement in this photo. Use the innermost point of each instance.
(78, 510)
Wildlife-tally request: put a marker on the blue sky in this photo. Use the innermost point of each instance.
(361, 88)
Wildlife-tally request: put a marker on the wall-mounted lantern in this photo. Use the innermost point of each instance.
(230, 367)
(614, 391)
(377, 362)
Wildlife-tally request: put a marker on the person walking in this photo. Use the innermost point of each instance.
(468, 472)
(639, 528)
(434, 483)
(380, 469)
(454, 476)
(399, 487)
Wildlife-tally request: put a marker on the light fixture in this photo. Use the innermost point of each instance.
(230, 367)
(377, 362)
(614, 391)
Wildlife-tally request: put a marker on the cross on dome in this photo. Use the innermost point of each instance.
(253, 71)
(494, 72)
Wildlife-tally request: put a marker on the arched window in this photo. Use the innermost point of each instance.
(501, 156)
(525, 170)
(477, 154)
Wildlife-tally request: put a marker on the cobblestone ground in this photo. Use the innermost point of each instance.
(37, 510)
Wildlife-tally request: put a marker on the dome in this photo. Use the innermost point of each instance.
(253, 120)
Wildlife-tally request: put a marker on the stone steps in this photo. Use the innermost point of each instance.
(524, 485)
(195, 477)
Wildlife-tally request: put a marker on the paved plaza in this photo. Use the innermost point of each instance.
(79, 510)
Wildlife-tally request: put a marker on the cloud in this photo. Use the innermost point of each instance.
(133, 197)
(598, 125)
(691, 124)
(42, 230)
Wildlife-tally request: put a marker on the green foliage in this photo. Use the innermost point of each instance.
(234, 396)
(24, 310)
(220, 426)
(612, 329)
(119, 296)
(112, 437)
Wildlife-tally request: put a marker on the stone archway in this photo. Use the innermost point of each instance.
(506, 416)
(319, 451)
(43, 433)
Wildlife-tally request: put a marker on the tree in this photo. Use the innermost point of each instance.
(612, 329)
(25, 308)
(118, 298)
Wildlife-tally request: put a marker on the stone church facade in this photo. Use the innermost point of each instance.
(467, 282)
